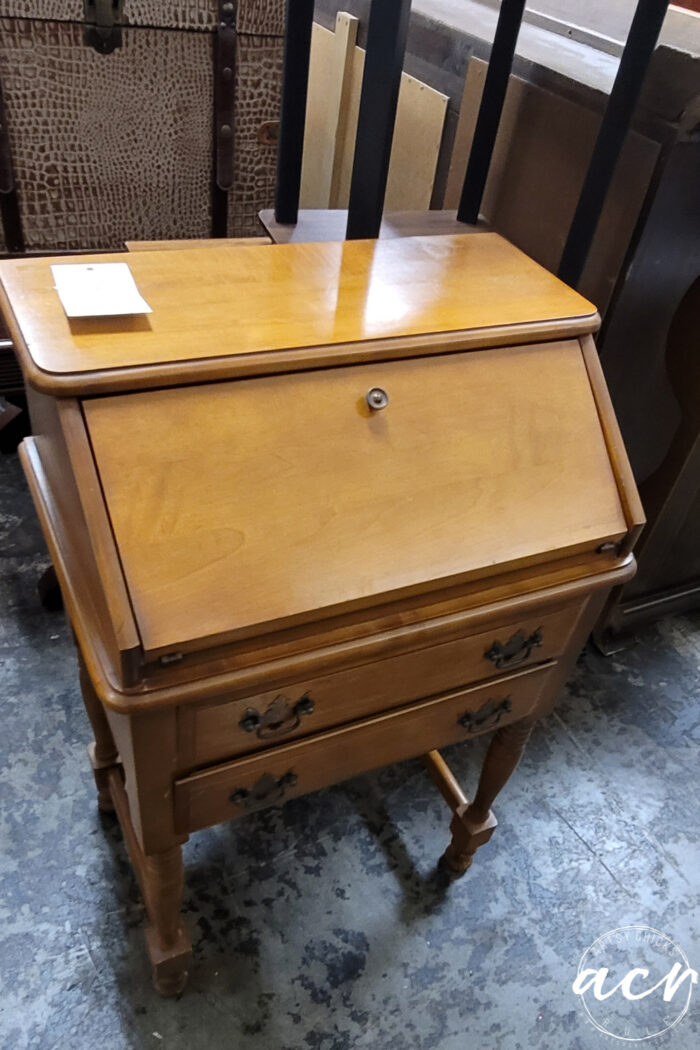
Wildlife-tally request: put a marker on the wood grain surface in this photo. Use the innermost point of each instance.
(275, 500)
(222, 302)
(326, 758)
(213, 732)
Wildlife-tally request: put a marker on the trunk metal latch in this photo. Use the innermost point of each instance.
(103, 25)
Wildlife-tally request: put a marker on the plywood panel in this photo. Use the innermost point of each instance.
(319, 142)
(420, 118)
(335, 85)
(330, 73)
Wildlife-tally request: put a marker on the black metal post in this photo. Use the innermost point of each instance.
(295, 83)
(386, 44)
(641, 41)
(490, 110)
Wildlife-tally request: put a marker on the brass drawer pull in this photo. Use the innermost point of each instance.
(279, 719)
(488, 715)
(265, 789)
(516, 650)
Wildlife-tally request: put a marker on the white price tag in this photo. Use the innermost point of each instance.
(98, 290)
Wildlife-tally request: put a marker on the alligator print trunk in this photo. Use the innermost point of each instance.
(135, 119)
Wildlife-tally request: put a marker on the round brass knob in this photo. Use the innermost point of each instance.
(377, 398)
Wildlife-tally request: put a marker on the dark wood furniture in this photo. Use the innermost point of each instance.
(329, 506)
(650, 356)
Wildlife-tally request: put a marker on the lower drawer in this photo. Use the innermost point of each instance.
(230, 790)
(213, 732)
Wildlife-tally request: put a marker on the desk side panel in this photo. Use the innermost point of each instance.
(115, 658)
(627, 487)
(100, 534)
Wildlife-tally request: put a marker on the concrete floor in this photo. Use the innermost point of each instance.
(324, 925)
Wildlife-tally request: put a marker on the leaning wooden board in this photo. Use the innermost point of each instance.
(329, 506)
(335, 82)
(120, 146)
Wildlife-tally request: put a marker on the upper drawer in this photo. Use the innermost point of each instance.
(212, 732)
(260, 503)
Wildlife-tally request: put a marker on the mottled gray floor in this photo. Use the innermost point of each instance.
(323, 925)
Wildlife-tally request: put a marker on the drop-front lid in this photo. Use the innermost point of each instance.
(219, 312)
(245, 506)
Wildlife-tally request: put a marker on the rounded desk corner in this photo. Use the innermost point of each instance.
(593, 321)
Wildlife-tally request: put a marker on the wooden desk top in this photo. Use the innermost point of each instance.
(225, 305)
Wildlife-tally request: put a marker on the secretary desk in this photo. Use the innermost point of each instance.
(327, 507)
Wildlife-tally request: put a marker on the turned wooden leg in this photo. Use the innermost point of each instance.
(103, 753)
(166, 939)
(161, 879)
(473, 823)
(160, 874)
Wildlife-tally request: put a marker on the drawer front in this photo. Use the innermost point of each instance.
(218, 731)
(233, 789)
